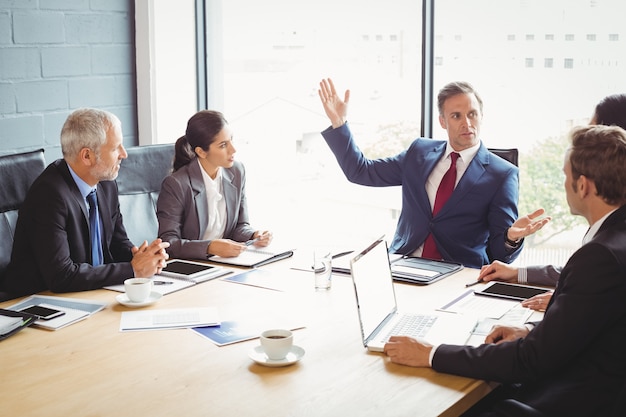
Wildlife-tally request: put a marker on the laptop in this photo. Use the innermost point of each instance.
(378, 311)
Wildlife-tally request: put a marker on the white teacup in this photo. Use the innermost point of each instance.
(277, 343)
(138, 289)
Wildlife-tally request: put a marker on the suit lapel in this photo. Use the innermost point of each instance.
(470, 178)
(74, 191)
(229, 190)
(423, 170)
(199, 195)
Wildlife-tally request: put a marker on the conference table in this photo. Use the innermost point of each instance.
(91, 368)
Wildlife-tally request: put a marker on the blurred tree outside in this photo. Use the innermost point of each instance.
(541, 185)
(392, 139)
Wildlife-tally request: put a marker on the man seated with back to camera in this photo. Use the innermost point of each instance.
(572, 362)
(610, 111)
(57, 245)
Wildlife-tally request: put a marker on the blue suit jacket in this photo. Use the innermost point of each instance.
(470, 228)
(183, 211)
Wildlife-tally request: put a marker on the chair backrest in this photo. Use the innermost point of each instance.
(510, 155)
(139, 184)
(17, 173)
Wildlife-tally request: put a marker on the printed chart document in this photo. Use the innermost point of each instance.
(253, 257)
(169, 319)
(229, 332)
(412, 270)
(179, 274)
(74, 309)
(469, 303)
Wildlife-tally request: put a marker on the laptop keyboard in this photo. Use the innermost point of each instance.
(412, 325)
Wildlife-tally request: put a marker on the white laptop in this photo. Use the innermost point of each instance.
(377, 308)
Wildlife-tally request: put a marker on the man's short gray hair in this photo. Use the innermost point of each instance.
(86, 128)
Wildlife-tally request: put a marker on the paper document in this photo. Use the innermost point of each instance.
(229, 332)
(272, 280)
(253, 257)
(517, 316)
(470, 304)
(169, 319)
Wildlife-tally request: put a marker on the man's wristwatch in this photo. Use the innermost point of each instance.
(514, 243)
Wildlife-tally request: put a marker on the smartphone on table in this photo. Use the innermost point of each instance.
(43, 313)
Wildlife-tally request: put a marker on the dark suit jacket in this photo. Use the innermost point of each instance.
(52, 250)
(543, 274)
(572, 363)
(470, 228)
(183, 211)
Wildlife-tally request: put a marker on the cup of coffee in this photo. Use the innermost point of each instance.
(276, 343)
(138, 289)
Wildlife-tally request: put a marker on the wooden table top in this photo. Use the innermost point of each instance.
(90, 368)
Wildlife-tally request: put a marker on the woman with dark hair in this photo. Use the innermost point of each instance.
(610, 111)
(202, 208)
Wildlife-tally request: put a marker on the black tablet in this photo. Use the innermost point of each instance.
(511, 291)
(190, 270)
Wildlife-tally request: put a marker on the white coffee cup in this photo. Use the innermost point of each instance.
(138, 289)
(276, 343)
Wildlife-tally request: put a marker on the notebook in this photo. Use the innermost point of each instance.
(254, 257)
(179, 274)
(412, 270)
(378, 311)
(75, 309)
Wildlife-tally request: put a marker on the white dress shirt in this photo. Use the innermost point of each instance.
(440, 169)
(217, 205)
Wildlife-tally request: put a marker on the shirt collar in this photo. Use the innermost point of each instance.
(83, 187)
(216, 183)
(466, 154)
(595, 227)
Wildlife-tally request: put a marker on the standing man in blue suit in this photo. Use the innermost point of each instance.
(477, 224)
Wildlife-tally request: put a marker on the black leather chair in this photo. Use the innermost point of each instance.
(17, 173)
(139, 184)
(514, 408)
(511, 155)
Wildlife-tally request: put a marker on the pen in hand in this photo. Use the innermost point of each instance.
(479, 281)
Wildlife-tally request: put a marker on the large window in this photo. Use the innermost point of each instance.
(532, 107)
(275, 53)
(532, 61)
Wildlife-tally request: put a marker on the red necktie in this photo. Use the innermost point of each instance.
(446, 187)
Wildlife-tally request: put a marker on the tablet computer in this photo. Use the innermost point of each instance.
(190, 270)
(511, 291)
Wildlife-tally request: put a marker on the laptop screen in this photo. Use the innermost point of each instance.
(373, 286)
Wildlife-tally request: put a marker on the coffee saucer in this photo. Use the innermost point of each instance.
(152, 298)
(258, 355)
